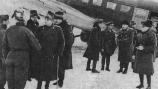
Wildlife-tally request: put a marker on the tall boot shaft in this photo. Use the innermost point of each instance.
(94, 67)
(141, 77)
(88, 65)
(94, 64)
(107, 62)
(103, 60)
(47, 85)
(39, 84)
(149, 80)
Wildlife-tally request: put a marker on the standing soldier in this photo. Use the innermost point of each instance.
(125, 47)
(33, 25)
(52, 41)
(108, 45)
(94, 47)
(4, 20)
(154, 29)
(66, 59)
(143, 54)
(134, 32)
(17, 43)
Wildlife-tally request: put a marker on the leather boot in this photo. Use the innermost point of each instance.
(141, 77)
(47, 85)
(107, 69)
(59, 83)
(140, 86)
(95, 71)
(120, 70)
(148, 87)
(88, 65)
(102, 68)
(125, 71)
(39, 84)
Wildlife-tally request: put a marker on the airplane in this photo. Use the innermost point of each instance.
(83, 15)
(73, 16)
(117, 10)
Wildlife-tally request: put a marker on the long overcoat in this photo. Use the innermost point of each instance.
(144, 58)
(17, 44)
(125, 39)
(33, 26)
(108, 42)
(52, 42)
(2, 66)
(93, 49)
(66, 59)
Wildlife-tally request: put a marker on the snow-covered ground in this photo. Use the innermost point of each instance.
(78, 78)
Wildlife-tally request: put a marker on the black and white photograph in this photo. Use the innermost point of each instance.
(78, 44)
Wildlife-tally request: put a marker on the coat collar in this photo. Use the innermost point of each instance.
(20, 23)
(48, 27)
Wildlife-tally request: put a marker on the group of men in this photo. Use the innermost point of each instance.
(33, 51)
(134, 45)
(104, 39)
(44, 52)
(101, 39)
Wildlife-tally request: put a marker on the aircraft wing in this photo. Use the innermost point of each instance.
(73, 16)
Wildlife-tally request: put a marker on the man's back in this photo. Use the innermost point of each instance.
(17, 37)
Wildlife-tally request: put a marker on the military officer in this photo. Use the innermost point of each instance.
(66, 58)
(125, 47)
(108, 45)
(33, 25)
(52, 41)
(144, 52)
(17, 43)
(94, 46)
(4, 20)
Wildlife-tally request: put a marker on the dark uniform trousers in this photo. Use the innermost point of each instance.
(61, 68)
(2, 75)
(107, 57)
(16, 74)
(89, 63)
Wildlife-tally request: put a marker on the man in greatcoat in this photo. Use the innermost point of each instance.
(125, 47)
(33, 25)
(154, 29)
(144, 52)
(94, 46)
(66, 58)
(134, 32)
(52, 41)
(108, 44)
(4, 20)
(17, 43)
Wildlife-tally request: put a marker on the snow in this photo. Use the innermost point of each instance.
(78, 78)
